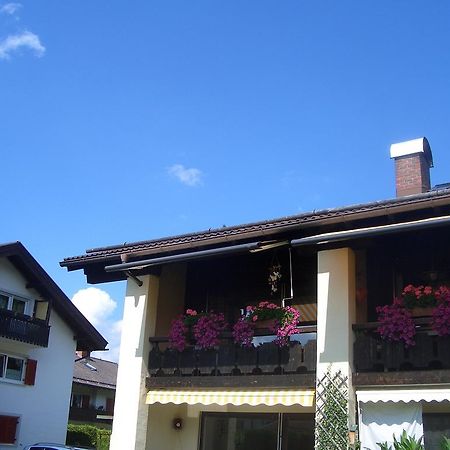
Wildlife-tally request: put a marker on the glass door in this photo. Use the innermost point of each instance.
(242, 431)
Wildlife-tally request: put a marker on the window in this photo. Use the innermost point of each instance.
(435, 426)
(11, 368)
(242, 431)
(8, 429)
(16, 304)
(17, 370)
(80, 401)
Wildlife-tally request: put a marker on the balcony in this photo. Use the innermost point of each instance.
(82, 414)
(23, 328)
(89, 415)
(228, 365)
(378, 361)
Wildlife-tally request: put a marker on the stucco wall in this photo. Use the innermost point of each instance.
(43, 408)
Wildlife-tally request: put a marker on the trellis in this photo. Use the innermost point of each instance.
(332, 412)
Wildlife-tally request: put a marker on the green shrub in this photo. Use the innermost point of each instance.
(405, 443)
(88, 436)
(445, 444)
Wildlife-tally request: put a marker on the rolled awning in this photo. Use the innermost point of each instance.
(232, 397)
(403, 395)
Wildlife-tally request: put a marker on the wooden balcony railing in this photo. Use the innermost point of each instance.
(373, 354)
(23, 328)
(229, 359)
(89, 414)
(82, 414)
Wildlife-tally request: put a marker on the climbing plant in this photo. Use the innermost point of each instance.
(332, 412)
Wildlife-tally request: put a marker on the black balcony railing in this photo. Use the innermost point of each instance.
(228, 359)
(23, 328)
(373, 354)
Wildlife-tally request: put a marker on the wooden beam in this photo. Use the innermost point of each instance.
(410, 378)
(306, 380)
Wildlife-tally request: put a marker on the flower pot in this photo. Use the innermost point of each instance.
(269, 324)
(422, 312)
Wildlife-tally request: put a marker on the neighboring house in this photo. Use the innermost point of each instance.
(337, 266)
(40, 329)
(93, 391)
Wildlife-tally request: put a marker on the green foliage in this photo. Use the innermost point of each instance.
(331, 421)
(405, 443)
(445, 444)
(384, 446)
(88, 436)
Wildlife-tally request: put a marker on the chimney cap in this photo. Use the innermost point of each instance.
(412, 147)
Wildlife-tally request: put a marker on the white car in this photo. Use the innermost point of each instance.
(51, 446)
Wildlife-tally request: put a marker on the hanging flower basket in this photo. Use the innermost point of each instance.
(282, 321)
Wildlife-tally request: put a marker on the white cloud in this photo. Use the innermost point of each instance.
(98, 307)
(189, 177)
(15, 42)
(10, 8)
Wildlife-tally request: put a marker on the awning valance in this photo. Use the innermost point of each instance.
(403, 395)
(232, 397)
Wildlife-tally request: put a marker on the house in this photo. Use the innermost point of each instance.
(40, 329)
(336, 381)
(93, 391)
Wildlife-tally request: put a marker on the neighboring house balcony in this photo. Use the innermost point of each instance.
(24, 328)
(82, 414)
(264, 364)
(89, 414)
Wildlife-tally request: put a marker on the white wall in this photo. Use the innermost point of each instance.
(12, 281)
(139, 322)
(43, 408)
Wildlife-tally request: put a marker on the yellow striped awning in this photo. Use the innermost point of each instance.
(233, 397)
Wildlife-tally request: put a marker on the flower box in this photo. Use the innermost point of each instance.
(422, 312)
(268, 324)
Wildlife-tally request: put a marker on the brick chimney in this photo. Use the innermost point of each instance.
(413, 160)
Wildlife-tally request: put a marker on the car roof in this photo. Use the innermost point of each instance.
(54, 446)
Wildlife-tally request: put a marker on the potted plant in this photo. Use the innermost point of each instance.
(419, 299)
(404, 443)
(396, 320)
(282, 321)
(202, 329)
(396, 323)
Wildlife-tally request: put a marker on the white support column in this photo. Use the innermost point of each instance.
(139, 322)
(336, 314)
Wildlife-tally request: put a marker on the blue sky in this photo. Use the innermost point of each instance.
(124, 121)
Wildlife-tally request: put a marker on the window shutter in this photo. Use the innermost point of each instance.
(110, 405)
(85, 401)
(8, 426)
(30, 372)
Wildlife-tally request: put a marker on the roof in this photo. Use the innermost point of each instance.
(263, 229)
(88, 338)
(95, 372)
